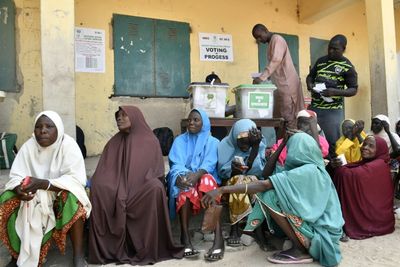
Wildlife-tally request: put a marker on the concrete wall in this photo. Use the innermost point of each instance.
(94, 109)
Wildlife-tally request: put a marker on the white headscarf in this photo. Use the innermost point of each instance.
(383, 134)
(63, 164)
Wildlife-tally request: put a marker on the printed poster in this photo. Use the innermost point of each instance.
(89, 50)
(215, 47)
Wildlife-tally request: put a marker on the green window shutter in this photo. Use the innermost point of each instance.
(151, 57)
(318, 48)
(172, 58)
(133, 39)
(293, 44)
(8, 80)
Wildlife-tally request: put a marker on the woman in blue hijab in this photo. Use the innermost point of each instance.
(301, 200)
(241, 159)
(193, 171)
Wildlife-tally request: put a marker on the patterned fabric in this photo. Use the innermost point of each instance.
(191, 153)
(304, 193)
(194, 194)
(67, 209)
(339, 74)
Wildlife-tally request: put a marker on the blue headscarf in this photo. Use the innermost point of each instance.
(190, 153)
(228, 148)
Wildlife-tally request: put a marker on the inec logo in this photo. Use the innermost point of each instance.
(259, 100)
(338, 69)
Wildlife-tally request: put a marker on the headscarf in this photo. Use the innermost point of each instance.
(190, 153)
(307, 114)
(63, 164)
(129, 160)
(383, 134)
(228, 148)
(305, 189)
(350, 148)
(382, 152)
(366, 188)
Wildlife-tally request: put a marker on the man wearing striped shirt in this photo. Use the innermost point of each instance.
(338, 75)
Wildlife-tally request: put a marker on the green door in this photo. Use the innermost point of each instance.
(171, 58)
(151, 57)
(133, 56)
(318, 48)
(8, 80)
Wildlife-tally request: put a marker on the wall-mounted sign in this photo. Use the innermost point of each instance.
(215, 47)
(89, 50)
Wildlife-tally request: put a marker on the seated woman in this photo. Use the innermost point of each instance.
(241, 159)
(129, 222)
(365, 191)
(45, 197)
(301, 200)
(350, 142)
(380, 126)
(306, 122)
(193, 171)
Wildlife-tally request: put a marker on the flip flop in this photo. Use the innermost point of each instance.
(215, 255)
(233, 242)
(190, 253)
(283, 258)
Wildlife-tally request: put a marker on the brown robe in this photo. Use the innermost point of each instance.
(130, 221)
(288, 98)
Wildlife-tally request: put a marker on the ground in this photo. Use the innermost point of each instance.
(373, 252)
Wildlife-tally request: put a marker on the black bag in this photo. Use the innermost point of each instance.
(165, 137)
(7, 149)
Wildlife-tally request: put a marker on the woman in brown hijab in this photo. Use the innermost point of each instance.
(130, 221)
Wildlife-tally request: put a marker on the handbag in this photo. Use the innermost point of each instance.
(211, 217)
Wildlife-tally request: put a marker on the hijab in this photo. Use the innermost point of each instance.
(383, 134)
(62, 163)
(228, 148)
(130, 159)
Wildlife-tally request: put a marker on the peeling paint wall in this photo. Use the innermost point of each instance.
(18, 110)
(94, 109)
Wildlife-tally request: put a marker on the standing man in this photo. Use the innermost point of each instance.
(340, 79)
(288, 98)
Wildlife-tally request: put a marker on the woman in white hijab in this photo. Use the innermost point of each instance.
(51, 202)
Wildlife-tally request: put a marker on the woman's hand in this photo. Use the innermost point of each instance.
(358, 127)
(21, 195)
(210, 197)
(35, 184)
(336, 162)
(237, 168)
(385, 126)
(182, 182)
(193, 178)
(255, 137)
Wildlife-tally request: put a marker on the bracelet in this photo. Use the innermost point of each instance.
(48, 187)
(245, 192)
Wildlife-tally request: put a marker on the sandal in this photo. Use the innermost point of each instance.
(190, 253)
(233, 242)
(283, 258)
(214, 255)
